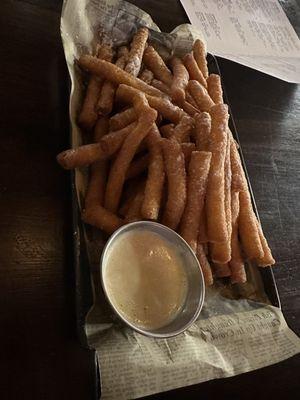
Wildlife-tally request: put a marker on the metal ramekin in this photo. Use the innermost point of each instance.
(196, 286)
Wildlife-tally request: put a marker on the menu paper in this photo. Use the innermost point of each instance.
(254, 33)
(238, 330)
(132, 365)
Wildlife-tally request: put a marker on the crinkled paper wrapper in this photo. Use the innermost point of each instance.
(238, 329)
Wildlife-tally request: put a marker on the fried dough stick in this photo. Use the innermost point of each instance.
(200, 95)
(167, 109)
(253, 240)
(161, 86)
(237, 172)
(137, 167)
(182, 130)
(214, 88)
(175, 171)
(204, 264)
(122, 119)
(215, 199)
(134, 210)
(89, 153)
(200, 57)
(146, 75)
(221, 252)
(180, 80)
(202, 131)
(267, 259)
(190, 99)
(130, 191)
(107, 94)
(101, 218)
(115, 74)
(98, 170)
(202, 235)
(196, 187)
(88, 115)
(167, 130)
(156, 176)
(189, 108)
(146, 118)
(137, 48)
(236, 264)
(156, 64)
(248, 227)
(193, 69)
(187, 149)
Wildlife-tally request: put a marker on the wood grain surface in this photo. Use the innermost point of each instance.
(41, 357)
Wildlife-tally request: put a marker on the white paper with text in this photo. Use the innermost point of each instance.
(133, 365)
(254, 33)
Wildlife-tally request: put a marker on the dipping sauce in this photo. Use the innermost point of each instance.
(145, 279)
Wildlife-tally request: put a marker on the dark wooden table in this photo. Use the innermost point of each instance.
(40, 355)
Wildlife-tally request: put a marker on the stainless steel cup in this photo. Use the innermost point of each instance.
(196, 286)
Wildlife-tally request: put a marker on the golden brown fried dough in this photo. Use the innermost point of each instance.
(161, 86)
(167, 130)
(175, 171)
(202, 131)
(89, 153)
(221, 252)
(98, 171)
(200, 57)
(134, 210)
(117, 175)
(182, 130)
(214, 88)
(156, 176)
(102, 219)
(137, 48)
(138, 166)
(267, 259)
(215, 199)
(200, 95)
(115, 74)
(146, 75)
(157, 65)
(237, 172)
(164, 106)
(122, 119)
(204, 264)
(180, 80)
(248, 228)
(202, 235)
(189, 108)
(193, 69)
(196, 188)
(236, 264)
(88, 115)
(189, 99)
(187, 149)
(107, 94)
